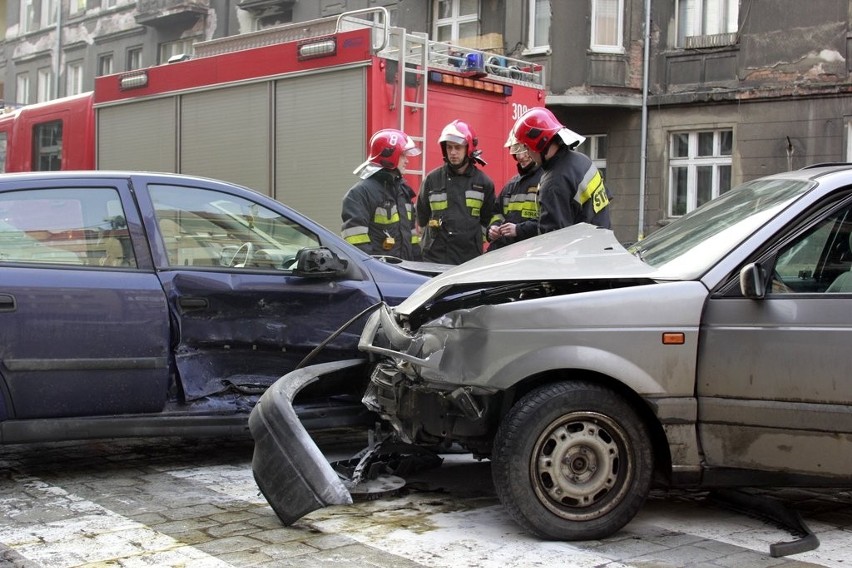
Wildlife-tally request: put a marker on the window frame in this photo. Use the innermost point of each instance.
(454, 21)
(49, 13)
(692, 161)
(44, 84)
(77, 7)
(185, 45)
(27, 17)
(696, 26)
(134, 52)
(594, 44)
(592, 148)
(532, 16)
(74, 77)
(22, 83)
(106, 64)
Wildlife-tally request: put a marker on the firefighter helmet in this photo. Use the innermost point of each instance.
(514, 146)
(386, 148)
(460, 132)
(538, 127)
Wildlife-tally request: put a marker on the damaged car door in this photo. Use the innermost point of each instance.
(231, 270)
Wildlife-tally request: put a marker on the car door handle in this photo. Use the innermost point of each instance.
(193, 303)
(7, 303)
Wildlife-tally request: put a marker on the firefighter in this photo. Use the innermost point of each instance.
(378, 211)
(571, 189)
(456, 201)
(519, 201)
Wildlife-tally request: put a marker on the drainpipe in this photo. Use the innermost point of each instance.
(643, 144)
(56, 74)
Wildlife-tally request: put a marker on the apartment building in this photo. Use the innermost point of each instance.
(679, 99)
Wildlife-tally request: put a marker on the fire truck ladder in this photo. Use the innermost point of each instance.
(413, 69)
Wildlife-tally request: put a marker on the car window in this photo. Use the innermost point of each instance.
(819, 260)
(207, 228)
(689, 246)
(71, 226)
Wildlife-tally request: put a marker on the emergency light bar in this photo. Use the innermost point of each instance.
(134, 80)
(470, 83)
(310, 50)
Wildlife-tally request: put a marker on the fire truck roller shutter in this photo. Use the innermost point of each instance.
(320, 136)
(137, 136)
(225, 135)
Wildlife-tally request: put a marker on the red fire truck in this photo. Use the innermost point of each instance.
(287, 111)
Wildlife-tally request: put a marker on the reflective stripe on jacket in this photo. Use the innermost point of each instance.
(378, 216)
(453, 211)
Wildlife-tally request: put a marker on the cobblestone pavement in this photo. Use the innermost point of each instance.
(194, 504)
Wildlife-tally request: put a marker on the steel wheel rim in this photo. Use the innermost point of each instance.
(580, 467)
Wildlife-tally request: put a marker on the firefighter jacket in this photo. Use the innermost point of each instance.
(454, 211)
(378, 216)
(572, 191)
(519, 204)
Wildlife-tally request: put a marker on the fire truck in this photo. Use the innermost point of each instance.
(287, 111)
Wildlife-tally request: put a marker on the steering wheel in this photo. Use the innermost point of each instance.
(248, 252)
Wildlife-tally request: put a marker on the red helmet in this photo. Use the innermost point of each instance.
(386, 147)
(459, 132)
(536, 128)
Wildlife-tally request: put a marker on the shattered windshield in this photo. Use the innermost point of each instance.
(689, 246)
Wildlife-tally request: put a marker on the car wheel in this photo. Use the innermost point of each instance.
(572, 461)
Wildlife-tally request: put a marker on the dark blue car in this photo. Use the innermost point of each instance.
(161, 304)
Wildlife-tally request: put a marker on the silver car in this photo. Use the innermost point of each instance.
(714, 353)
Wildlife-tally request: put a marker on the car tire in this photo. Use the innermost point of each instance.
(572, 461)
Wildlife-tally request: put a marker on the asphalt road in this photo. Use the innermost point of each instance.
(194, 504)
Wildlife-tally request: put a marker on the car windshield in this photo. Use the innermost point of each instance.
(689, 246)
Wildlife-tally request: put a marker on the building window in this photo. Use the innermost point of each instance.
(538, 29)
(108, 3)
(28, 16)
(49, 12)
(697, 18)
(607, 25)
(105, 64)
(22, 89)
(134, 58)
(77, 7)
(44, 84)
(172, 48)
(455, 19)
(74, 78)
(595, 147)
(699, 168)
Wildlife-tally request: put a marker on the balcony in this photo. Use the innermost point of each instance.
(170, 13)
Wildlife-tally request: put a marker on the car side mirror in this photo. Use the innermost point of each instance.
(753, 281)
(319, 262)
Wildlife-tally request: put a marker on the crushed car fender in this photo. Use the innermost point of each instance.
(289, 468)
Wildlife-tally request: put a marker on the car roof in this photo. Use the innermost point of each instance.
(100, 174)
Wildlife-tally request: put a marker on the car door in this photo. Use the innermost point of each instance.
(774, 388)
(243, 317)
(83, 318)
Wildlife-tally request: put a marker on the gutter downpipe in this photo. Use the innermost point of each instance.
(58, 50)
(643, 144)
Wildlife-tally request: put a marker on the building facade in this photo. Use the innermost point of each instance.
(679, 99)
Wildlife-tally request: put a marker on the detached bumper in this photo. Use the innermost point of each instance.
(290, 470)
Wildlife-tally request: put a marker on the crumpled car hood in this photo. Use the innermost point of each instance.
(582, 251)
